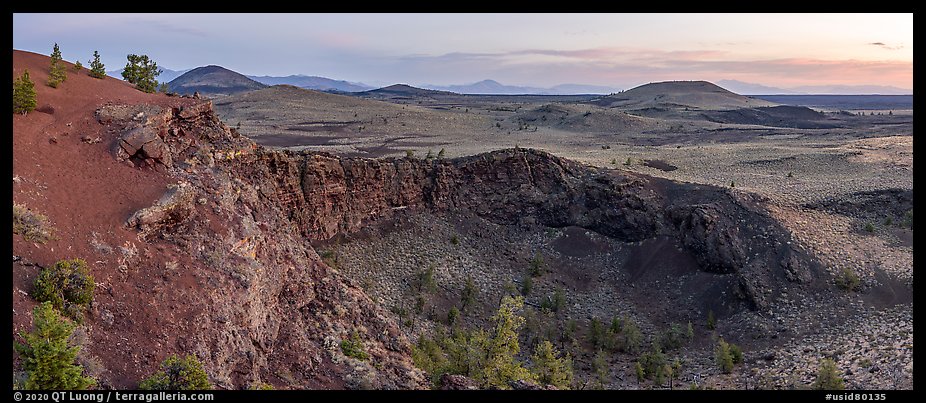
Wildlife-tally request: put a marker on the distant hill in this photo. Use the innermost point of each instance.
(213, 80)
(313, 83)
(698, 95)
(492, 87)
(166, 74)
(404, 90)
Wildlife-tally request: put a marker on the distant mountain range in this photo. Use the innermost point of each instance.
(313, 83)
(745, 88)
(492, 87)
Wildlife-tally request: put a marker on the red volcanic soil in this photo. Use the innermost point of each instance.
(84, 190)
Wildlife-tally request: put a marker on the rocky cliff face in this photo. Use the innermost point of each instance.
(272, 310)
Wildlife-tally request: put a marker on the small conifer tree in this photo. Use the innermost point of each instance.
(23, 94)
(97, 70)
(46, 355)
(178, 374)
(56, 73)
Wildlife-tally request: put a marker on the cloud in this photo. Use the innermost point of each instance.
(611, 66)
(885, 46)
(169, 27)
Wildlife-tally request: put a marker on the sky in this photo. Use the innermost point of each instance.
(540, 50)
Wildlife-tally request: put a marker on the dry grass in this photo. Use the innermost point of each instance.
(31, 225)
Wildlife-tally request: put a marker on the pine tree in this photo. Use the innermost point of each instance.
(97, 69)
(78, 66)
(827, 376)
(23, 94)
(178, 374)
(500, 364)
(164, 89)
(549, 369)
(46, 355)
(56, 74)
(141, 71)
(723, 357)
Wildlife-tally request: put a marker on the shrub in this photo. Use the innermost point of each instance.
(452, 316)
(409, 154)
(848, 280)
(633, 338)
(468, 297)
(723, 357)
(47, 358)
(600, 368)
(653, 363)
(429, 156)
(425, 280)
(639, 371)
(537, 266)
(97, 69)
(353, 347)
(32, 226)
(440, 154)
(141, 71)
(260, 386)
(526, 285)
(869, 227)
(628, 162)
(549, 369)
(454, 239)
(68, 285)
(78, 66)
(674, 337)
(178, 374)
(828, 376)
(736, 353)
(23, 95)
(711, 321)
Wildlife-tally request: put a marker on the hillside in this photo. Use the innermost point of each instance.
(213, 80)
(698, 95)
(403, 91)
(244, 293)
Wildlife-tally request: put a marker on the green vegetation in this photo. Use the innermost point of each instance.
(726, 355)
(869, 227)
(653, 363)
(628, 162)
(674, 337)
(452, 316)
(487, 356)
(142, 72)
(537, 265)
(848, 280)
(47, 358)
(526, 285)
(633, 338)
(828, 376)
(429, 156)
(441, 153)
(260, 386)
(908, 219)
(78, 66)
(164, 88)
(56, 73)
(454, 239)
(23, 95)
(32, 226)
(732, 184)
(178, 374)
(409, 154)
(639, 371)
(67, 285)
(601, 369)
(711, 321)
(548, 369)
(353, 347)
(554, 303)
(97, 69)
(790, 174)
(468, 297)
(425, 281)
